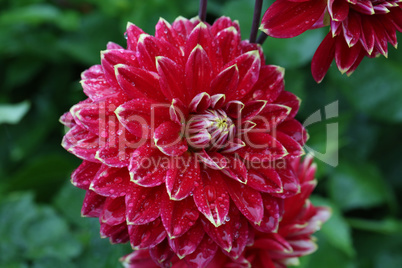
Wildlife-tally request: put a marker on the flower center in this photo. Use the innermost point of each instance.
(210, 130)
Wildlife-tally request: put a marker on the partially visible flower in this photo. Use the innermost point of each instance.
(185, 138)
(359, 28)
(274, 249)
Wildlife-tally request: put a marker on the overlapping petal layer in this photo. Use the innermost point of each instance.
(293, 239)
(358, 29)
(186, 138)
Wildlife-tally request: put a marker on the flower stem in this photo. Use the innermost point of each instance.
(261, 39)
(202, 13)
(256, 20)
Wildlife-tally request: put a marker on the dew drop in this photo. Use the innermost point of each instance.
(125, 36)
(118, 180)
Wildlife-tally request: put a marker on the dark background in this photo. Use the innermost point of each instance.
(45, 45)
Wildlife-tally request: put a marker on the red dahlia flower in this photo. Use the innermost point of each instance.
(185, 138)
(359, 28)
(269, 250)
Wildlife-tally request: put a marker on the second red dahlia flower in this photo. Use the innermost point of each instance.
(185, 137)
(358, 28)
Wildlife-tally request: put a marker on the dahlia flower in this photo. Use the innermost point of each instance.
(269, 250)
(185, 138)
(359, 28)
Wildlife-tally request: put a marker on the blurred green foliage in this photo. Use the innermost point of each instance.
(45, 45)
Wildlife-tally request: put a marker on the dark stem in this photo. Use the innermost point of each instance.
(256, 20)
(261, 39)
(202, 13)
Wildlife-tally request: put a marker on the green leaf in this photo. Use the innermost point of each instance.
(39, 14)
(31, 232)
(336, 230)
(13, 113)
(293, 52)
(359, 185)
(327, 256)
(374, 88)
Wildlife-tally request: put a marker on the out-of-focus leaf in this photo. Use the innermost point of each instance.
(375, 250)
(13, 113)
(39, 14)
(358, 186)
(386, 226)
(294, 52)
(73, 197)
(336, 230)
(43, 174)
(240, 10)
(374, 88)
(327, 256)
(31, 232)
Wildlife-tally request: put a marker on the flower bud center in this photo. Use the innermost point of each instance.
(210, 130)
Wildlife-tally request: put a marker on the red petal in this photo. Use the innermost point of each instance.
(345, 56)
(114, 211)
(322, 58)
(285, 19)
(97, 89)
(168, 139)
(223, 23)
(178, 216)
(212, 160)
(84, 174)
(247, 200)
(92, 205)
(139, 83)
(294, 148)
(133, 33)
(171, 79)
(200, 35)
(146, 236)
(161, 254)
(140, 116)
(294, 129)
(148, 166)
(181, 175)
(211, 197)
(203, 254)
(338, 10)
(352, 29)
(198, 72)
(272, 214)
(290, 182)
(226, 81)
(143, 204)
(226, 43)
(116, 233)
(290, 100)
(240, 231)
(112, 182)
(248, 65)
(269, 85)
(235, 169)
(367, 38)
(149, 48)
(165, 31)
(111, 58)
(271, 116)
(94, 72)
(265, 179)
(81, 143)
(138, 259)
(261, 147)
(188, 242)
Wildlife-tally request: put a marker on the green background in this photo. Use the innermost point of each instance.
(45, 45)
